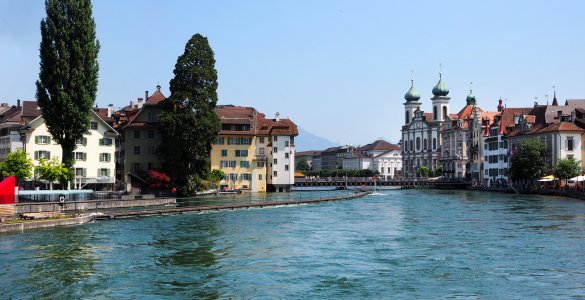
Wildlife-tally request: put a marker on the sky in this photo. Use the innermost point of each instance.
(339, 69)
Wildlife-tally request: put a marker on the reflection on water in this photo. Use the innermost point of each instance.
(406, 244)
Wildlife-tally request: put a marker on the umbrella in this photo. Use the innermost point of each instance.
(547, 178)
(578, 178)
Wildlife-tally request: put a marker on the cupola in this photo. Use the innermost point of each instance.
(412, 94)
(440, 89)
(470, 98)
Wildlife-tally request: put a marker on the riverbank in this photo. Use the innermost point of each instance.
(36, 224)
(571, 193)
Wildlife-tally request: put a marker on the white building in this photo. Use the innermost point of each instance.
(378, 156)
(281, 158)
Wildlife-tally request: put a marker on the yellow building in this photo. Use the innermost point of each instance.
(238, 151)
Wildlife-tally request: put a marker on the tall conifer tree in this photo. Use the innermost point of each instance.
(189, 123)
(68, 77)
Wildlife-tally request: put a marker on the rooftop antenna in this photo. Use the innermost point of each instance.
(505, 102)
(440, 70)
(411, 78)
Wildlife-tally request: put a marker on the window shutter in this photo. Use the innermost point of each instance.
(36, 139)
(84, 156)
(98, 172)
(108, 172)
(109, 157)
(48, 154)
(48, 140)
(85, 141)
(101, 142)
(36, 155)
(83, 172)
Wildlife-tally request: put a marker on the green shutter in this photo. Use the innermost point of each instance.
(85, 141)
(84, 156)
(84, 172)
(36, 139)
(36, 155)
(98, 172)
(49, 155)
(101, 142)
(48, 140)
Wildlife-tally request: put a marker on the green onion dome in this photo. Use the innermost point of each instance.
(412, 94)
(440, 89)
(470, 98)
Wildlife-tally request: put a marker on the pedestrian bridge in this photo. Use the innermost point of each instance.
(367, 181)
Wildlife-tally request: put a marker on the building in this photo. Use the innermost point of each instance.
(255, 152)
(312, 157)
(379, 156)
(421, 132)
(24, 127)
(140, 139)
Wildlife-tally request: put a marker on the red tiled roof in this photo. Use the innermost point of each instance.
(308, 153)
(428, 116)
(156, 98)
(379, 145)
(31, 109)
(507, 117)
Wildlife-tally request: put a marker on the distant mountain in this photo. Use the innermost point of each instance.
(308, 141)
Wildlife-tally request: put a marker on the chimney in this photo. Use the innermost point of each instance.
(145, 95)
(18, 103)
(110, 110)
(131, 104)
(573, 116)
(516, 118)
(535, 103)
(277, 116)
(139, 105)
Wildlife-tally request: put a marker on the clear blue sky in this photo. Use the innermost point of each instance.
(338, 68)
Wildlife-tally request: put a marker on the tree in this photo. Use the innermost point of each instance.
(68, 75)
(158, 180)
(189, 123)
(303, 165)
(215, 177)
(423, 171)
(17, 164)
(52, 170)
(567, 168)
(528, 160)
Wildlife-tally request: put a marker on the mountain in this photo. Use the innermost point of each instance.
(307, 141)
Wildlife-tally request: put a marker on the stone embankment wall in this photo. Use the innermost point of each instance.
(91, 205)
(44, 224)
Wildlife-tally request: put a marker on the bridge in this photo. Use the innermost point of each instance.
(340, 182)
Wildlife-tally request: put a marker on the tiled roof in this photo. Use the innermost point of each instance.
(428, 116)
(259, 124)
(466, 111)
(308, 153)
(30, 109)
(379, 145)
(156, 98)
(507, 117)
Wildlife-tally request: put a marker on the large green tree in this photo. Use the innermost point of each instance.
(303, 165)
(68, 76)
(567, 168)
(53, 170)
(189, 123)
(528, 160)
(17, 164)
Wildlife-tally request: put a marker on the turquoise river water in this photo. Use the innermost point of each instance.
(414, 244)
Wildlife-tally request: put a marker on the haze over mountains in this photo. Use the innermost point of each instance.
(307, 141)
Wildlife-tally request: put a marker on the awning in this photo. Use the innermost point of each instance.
(578, 178)
(551, 177)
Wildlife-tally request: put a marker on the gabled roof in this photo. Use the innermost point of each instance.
(156, 98)
(30, 109)
(40, 118)
(507, 117)
(379, 145)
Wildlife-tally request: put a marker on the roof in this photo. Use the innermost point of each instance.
(259, 124)
(507, 117)
(156, 98)
(30, 109)
(308, 153)
(379, 145)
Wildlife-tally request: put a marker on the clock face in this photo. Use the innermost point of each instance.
(417, 125)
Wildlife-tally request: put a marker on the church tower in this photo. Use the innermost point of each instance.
(412, 96)
(440, 101)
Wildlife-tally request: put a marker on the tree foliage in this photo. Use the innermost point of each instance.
(17, 164)
(528, 160)
(303, 165)
(68, 76)
(189, 123)
(423, 171)
(215, 177)
(53, 170)
(158, 180)
(567, 168)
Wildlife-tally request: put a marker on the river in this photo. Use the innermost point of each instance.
(403, 244)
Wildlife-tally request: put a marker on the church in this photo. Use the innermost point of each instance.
(421, 132)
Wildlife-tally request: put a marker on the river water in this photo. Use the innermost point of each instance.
(404, 244)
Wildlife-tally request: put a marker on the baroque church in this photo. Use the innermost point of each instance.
(421, 133)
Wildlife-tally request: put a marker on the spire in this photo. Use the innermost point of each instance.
(555, 102)
(500, 104)
(470, 98)
(440, 89)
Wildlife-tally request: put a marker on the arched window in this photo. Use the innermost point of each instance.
(434, 143)
(434, 112)
(425, 144)
(445, 117)
(407, 117)
(417, 144)
(411, 147)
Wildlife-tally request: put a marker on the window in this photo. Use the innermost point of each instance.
(93, 125)
(425, 144)
(246, 176)
(275, 139)
(105, 157)
(151, 134)
(79, 171)
(286, 167)
(434, 143)
(407, 117)
(80, 155)
(286, 155)
(275, 149)
(261, 140)
(260, 164)
(104, 172)
(224, 152)
(42, 139)
(151, 117)
(445, 115)
(417, 144)
(219, 140)
(105, 142)
(434, 112)
(261, 151)
(275, 161)
(227, 163)
(260, 177)
(81, 141)
(136, 167)
(570, 144)
(240, 141)
(241, 153)
(275, 173)
(232, 176)
(151, 150)
(570, 156)
(286, 143)
(137, 150)
(136, 134)
(244, 164)
(42, 154)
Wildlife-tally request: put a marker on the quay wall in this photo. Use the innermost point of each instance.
(91, 205)
(44, 224)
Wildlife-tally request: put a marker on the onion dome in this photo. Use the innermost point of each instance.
(470, 98)
(412, 94)
(440, 89)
